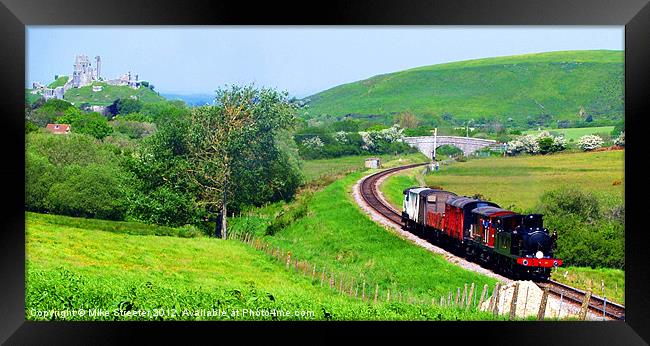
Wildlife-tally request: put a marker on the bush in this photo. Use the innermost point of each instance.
(587, 235)
(620, 140)
(543, 143)
(74, 175)
(590, 142)
(133, 129)
(92, 123)
(92, 191)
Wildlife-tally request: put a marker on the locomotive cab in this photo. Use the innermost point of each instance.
(535, 240)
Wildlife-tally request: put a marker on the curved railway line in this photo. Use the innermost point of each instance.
(370, 194)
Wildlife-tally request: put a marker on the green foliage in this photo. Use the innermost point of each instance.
(95, 191)
(74, 175)
(618, 129)
(127, 106)
(559, 81)
(163, 191)
(48, 112)
(234, 148)
(346, 125)
(448, 150)
(92, 123)
(30, 126)
(133, 129)
(586, 237)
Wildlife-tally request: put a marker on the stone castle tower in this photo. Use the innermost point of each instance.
(83, 73)
(98, 65)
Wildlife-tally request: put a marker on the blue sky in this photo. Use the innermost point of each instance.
(301, 60)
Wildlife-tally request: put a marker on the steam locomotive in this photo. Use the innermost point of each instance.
(512, 244)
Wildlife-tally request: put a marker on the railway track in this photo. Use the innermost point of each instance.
(596, 304)
(370, 194)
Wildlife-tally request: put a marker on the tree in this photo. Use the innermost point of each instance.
(48, 112)
(126, 106)
(408, 120)
(233, 148)
(93, 123)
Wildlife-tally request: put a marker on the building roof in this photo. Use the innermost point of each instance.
(58, 128)
(489, 210)
(462, 201)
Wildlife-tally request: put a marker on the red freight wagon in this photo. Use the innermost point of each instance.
(435, 207)
(458, 215)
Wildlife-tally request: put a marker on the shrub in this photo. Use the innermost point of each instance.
(587, 235)
(133, 129)
(93, 191)
(543, 143)
(620, 140)
(590, 142)
(92, 123)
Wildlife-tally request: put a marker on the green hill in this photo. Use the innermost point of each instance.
(521, 87)
(109, 93)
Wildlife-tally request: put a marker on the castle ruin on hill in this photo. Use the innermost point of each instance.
(84, 74)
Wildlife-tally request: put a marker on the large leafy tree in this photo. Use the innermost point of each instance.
(92, 123)
(234, 155)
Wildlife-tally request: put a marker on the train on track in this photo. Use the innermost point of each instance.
(513, 244)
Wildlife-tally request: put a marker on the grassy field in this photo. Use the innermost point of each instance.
(612, 280)
(329, 230)
(148, 277)
(314, 169)
(501, 87)
(518, 182)
(575, 133)
(109, 94)
(59, 82)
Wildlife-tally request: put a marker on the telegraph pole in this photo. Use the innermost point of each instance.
(435, 142)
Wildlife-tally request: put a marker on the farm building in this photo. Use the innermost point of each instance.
(58, 129)
(373, 162)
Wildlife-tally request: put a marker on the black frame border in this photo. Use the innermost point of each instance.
(15, 15)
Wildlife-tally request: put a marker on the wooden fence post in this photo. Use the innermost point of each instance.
(463, 300)
(388, 296)
(457, 296)
(376, 292)
(313, 272)
(513, 302)
(526, 300)
(497, 289)
(322, 277)
(363, 291)
(470, 296)
(480, 303)
(585, 306)
(450, 299)
(288, 259)
(542, 305)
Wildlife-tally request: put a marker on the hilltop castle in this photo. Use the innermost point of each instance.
(84, 74)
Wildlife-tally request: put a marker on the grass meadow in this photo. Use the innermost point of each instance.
(171, 278)
(575, 133)
(518, 182)
(327, 229)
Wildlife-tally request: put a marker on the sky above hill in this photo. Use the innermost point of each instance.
(301, 60)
